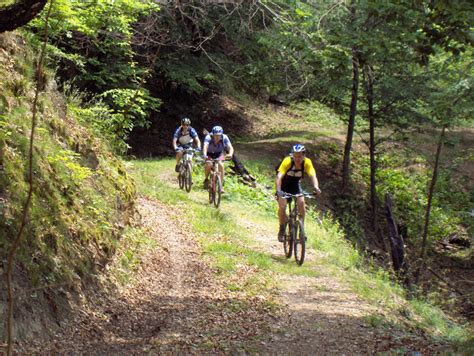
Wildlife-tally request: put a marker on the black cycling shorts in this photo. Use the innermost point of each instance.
(291, 187)
(215, 155)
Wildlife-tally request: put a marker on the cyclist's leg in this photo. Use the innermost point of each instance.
(301, 207)
(207, 171)
(178, 158)
(301, 204)
(282, 218)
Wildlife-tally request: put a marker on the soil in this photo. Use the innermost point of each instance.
(176, 305)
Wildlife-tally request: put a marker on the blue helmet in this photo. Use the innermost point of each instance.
(298, 148)
(217, 130)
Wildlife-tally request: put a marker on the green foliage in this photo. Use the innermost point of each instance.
(81, 192)
(316, 112)
(406, 175)
(133, 244)
(94, 40)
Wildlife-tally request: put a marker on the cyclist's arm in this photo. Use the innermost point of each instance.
(314, 182)
(195, 137)
(197, 142)
(204, 149)
(205, 146)
(278, 181)
(231, 150)
(309, 169)
(175, 138)
(284, 166)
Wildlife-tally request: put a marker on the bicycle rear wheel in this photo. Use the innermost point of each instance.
(188, 177)
(217, 192)
(299, 242)
(288, 242)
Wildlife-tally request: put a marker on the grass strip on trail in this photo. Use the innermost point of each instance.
(227, 237)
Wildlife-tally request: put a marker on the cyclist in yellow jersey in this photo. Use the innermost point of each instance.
(288, 178)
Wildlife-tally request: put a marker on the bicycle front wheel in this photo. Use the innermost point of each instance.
(217, 192)
(211, 188)
(181, 179)
(299, 242)
(188, 177)
(288, 242)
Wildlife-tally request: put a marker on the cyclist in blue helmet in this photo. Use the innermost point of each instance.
(289, 174)
(183, 138)
(215, 146)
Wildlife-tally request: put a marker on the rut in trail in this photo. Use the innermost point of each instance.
(178, 305)
(175, 304)
(323, 316)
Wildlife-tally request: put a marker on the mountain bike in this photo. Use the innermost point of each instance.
(215, 184)
(185, 174)
(295, 237)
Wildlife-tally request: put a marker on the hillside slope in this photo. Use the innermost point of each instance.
(82, 197)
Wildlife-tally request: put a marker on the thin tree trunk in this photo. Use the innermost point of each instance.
(428, 206)
(16, 243)
(369, 82)
(350, 126)
(353, 110)
(397, 246)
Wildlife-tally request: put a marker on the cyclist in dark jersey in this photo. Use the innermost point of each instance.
(290, 172)
(183, 137)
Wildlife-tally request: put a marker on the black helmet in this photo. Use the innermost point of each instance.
(185, 121)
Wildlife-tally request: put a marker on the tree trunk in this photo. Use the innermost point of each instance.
(428, 206)
(397, 246)
(369, 82)
(396, 241)
(19, 13)
(350, 126)
(353, 110)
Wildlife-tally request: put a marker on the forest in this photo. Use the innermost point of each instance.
(102, 252)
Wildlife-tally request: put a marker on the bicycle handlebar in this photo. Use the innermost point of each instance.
(189, 149)
(302, 194)
(217, 159)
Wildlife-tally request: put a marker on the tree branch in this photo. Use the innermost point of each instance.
(19, 13)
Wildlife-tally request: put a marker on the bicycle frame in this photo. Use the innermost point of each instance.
(215, 183)
(185, 173)
(295, 237)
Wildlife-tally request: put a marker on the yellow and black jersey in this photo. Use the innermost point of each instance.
(288, 169)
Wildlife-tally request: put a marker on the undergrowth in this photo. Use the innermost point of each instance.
(82, 197)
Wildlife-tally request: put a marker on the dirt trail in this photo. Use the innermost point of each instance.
(177, 306)
(325, 317)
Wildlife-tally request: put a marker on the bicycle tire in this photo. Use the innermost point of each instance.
(218, 192)
(210, 188)
(299, 242)
(288, 241)
(188, 177)
(181, 179)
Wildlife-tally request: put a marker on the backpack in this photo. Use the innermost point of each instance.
(292, 165)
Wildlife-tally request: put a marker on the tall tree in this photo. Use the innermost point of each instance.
(452, 95)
